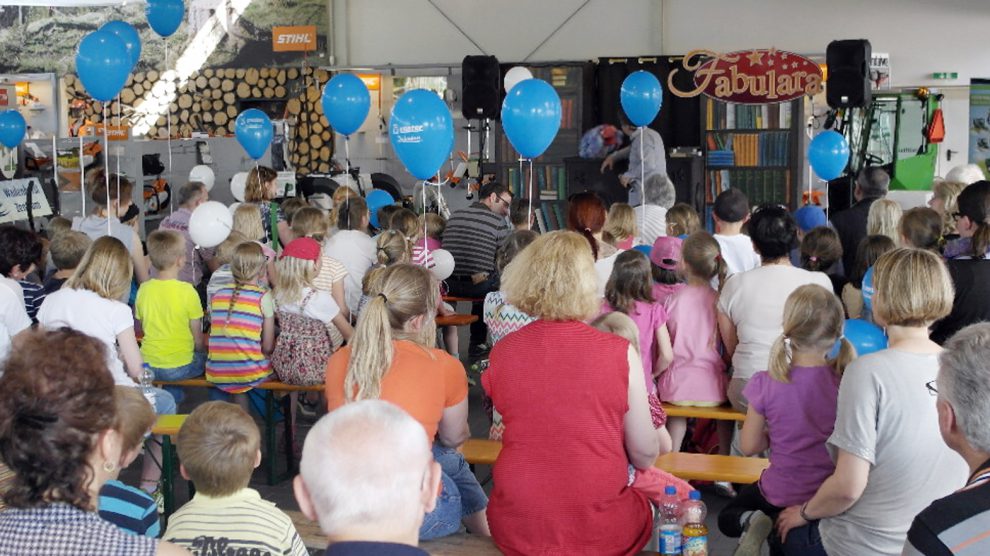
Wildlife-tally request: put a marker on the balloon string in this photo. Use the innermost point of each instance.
(347, 160)
(82, 175)
(520, 174)
(55, 161)
(106, 131)
(106, 174)
(529, 217)
(168, 120)
(642, 183)
(426, 246)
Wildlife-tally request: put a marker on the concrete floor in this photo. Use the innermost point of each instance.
(281, 494)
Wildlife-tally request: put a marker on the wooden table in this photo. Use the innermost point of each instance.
(718, 413)
(456, 320)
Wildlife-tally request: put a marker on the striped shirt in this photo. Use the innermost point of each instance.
(60, 529)
(651, 227)
(956, 524)
(34, 295)
(129, 508)
(472, 236)
(236, 362)
(241, 523)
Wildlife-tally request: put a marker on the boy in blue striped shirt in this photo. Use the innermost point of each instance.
(127, 507)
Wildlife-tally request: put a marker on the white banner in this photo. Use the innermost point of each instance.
(13, 200)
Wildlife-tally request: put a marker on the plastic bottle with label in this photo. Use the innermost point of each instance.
(669, 524)
(694, 536)
(147, 388)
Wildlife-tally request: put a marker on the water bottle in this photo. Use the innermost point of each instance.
(147, 377)
(694, 541)
(670, 526)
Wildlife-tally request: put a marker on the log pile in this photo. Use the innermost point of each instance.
(209, 101)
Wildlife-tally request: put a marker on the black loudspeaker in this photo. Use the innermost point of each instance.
(480, 86)
(848, 82)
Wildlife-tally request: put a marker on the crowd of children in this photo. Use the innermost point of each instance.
(291, 285)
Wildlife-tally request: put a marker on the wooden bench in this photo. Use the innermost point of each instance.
(270, 388)
(718, 413)
(690, 467)
(455, 299)
(167, 426)
(456, 320)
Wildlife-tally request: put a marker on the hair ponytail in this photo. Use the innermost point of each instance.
(780, 359)
(846, 355)
(401, 293)
(721, 271)
(591, 240)
(981, 240)
(371, 351)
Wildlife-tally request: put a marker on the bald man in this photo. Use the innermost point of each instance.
(368, 477)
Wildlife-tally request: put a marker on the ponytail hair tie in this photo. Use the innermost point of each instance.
(588, 230)
(787, 343)
(813, 259)
(384, 299)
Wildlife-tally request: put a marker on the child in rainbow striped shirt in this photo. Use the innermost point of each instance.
(243, 327)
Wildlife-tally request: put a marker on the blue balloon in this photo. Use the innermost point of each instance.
(346, 102)
(828, 154)
(644, 249)
(866, 337)
(253, 130)
(165, 16)
(641, 97)
(421, 132)
(868, 291)
(531, 117)
(103, 64)
(129, 35)
(376, 199)
(12, 128)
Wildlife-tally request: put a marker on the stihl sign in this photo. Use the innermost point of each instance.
(294, 39)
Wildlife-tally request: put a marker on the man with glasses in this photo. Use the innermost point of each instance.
(960, 522)
(472, 236)
(871, 184)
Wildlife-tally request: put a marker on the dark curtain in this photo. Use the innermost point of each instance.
(679, 122)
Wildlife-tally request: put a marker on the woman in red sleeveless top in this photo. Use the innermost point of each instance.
(575, 412)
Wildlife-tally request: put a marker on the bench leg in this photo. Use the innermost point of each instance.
(168, 470)
(270, 450)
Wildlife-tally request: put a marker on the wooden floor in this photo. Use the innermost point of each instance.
(454, 545)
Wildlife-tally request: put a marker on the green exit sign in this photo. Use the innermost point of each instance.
(945, 75)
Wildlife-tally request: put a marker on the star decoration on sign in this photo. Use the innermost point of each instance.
(756, 58)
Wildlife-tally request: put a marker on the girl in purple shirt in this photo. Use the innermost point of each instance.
(792, 410)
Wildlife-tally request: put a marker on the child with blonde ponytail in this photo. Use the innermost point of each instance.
(792, 409)
(392, 357)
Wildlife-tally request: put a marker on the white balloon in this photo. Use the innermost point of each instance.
(210, 224)
(204, 175)
(237, 185)
(233, 207)
(514, 76)
(443, 264)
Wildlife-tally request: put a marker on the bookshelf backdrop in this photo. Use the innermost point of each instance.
(753, 148)
(549, 175)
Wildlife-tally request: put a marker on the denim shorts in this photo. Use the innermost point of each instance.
(193, 369)
(164, 402)
(461, 495)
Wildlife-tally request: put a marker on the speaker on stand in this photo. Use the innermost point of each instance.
(848, 83)
(481, 87)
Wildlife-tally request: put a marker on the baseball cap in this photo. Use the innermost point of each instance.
(810, 217)
(666, 252)
(305, 248)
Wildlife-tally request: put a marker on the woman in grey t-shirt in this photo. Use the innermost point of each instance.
(890, 459)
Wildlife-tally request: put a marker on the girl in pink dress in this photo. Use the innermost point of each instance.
(629, 291)
(696, 375)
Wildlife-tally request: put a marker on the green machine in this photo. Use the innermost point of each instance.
(895, 132)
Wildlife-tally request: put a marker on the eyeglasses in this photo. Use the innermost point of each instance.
(504, 200)
(931, 388)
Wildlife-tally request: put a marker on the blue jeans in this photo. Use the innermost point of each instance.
(164, 402)
(461, 495)
(193, 369)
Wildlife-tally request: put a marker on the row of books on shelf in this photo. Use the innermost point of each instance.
(550, 215)
(760, 186)
(548, 182)
(724, 115)
(748, 149)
